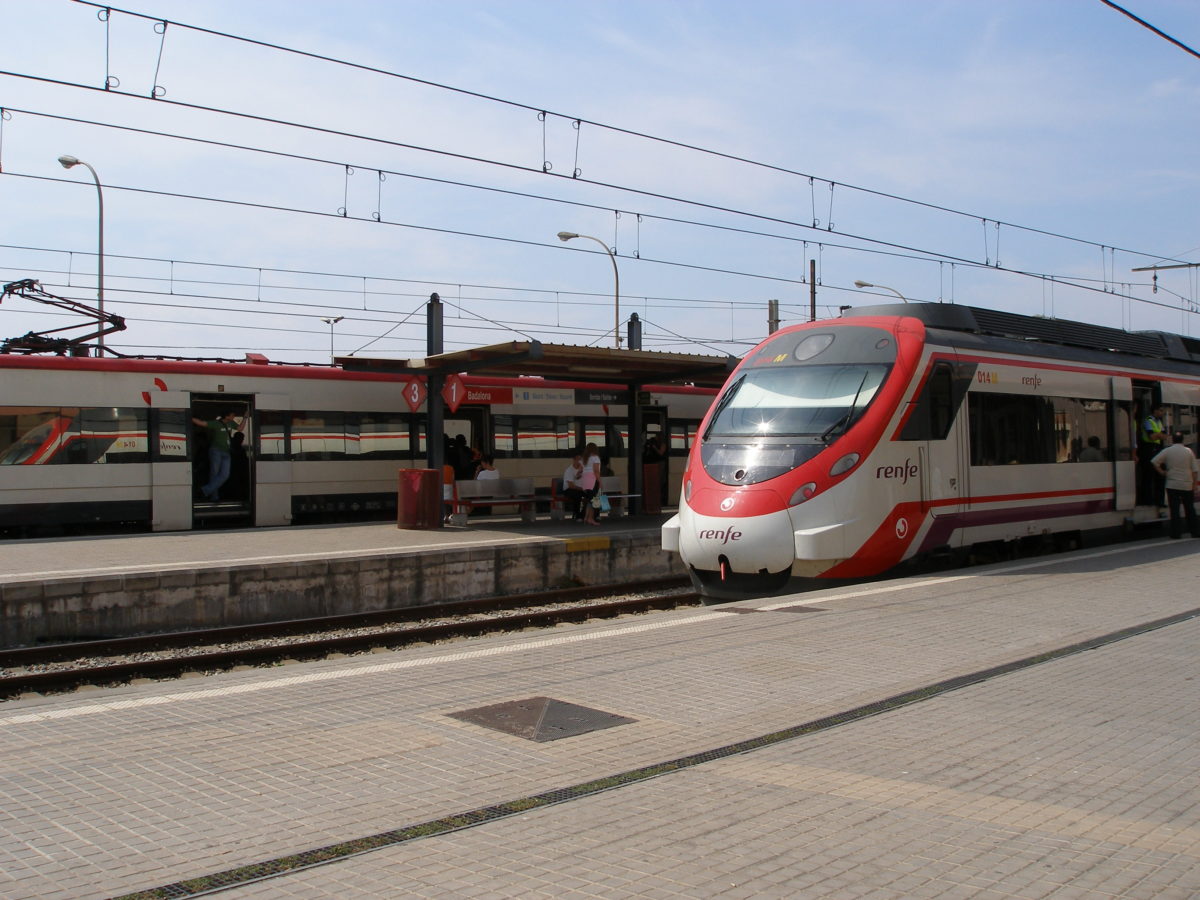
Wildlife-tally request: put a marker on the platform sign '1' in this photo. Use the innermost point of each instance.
(414, 393)
(454, 392)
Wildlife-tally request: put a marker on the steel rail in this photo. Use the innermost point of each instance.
(71, 678)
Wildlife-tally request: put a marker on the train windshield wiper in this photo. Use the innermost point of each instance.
(730, 393)
(844, 422)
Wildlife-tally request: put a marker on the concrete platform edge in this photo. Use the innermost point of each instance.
(110, 606)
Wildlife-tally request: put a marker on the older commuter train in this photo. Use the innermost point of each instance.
(842, 448)
(90, 444)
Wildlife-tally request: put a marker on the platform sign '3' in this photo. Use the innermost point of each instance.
(454, 392)
(414, 393)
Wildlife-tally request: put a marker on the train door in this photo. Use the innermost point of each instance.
(467, 427)
(656, 459)
(1123, 424)
(230, 501)
(943, 456)
(170, 465)
(1147, 396)
(681, 435)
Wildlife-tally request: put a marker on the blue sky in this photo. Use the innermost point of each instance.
(1056, 139)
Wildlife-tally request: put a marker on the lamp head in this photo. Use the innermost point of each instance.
(566, 235)
(68, 161)
(863, 284)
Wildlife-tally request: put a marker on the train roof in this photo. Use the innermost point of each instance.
(1065, 332)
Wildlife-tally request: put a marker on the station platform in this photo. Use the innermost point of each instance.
(117, 585)
(936, 736)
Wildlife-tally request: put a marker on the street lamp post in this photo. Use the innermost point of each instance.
(331, 322)
(882, 287)
(67, 163)
(565, 236)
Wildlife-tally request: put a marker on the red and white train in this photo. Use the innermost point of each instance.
(841, 448)
(94, 443)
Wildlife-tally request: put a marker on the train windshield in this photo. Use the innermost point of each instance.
(804, 401)
(796, 395)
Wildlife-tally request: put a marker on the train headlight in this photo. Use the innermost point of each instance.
(687, 490)
(845, 464)
(806, 492)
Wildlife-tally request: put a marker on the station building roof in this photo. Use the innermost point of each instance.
(601, 365)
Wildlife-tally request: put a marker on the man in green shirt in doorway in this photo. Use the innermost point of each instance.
(220, 430)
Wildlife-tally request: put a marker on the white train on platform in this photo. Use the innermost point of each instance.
(842, 448)
(95, 443)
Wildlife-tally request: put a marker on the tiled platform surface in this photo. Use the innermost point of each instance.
(1070, 778)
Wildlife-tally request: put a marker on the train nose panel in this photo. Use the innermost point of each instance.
(744, 545)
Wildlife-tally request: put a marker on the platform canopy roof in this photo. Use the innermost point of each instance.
(600, 365)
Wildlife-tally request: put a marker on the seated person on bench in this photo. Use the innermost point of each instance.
(572, 488)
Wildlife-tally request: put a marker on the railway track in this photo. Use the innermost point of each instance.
(67, 666)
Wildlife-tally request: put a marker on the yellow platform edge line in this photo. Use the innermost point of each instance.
(577, 545)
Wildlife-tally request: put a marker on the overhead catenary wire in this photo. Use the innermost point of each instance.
(1162, 34)
(552, 295)
(932, 257)
(1105, 286)
(428, 228)
(542, 112)
(900, 251)
(208, 307)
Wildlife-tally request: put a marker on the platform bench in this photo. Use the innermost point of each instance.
(610, 486)
(468, 495)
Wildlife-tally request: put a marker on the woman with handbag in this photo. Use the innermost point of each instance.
(590, 482)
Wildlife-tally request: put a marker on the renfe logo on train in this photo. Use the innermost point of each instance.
(724, 535)
(902, 472)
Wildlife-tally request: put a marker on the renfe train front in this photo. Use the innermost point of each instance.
(839, 449)
(769, 492)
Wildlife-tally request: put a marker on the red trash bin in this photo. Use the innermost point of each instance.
(419, 499)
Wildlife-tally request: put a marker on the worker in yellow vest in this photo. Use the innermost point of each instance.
(1151, 439)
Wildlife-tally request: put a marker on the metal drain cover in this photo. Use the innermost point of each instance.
(541, 718)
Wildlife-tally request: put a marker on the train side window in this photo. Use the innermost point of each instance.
(73, 436)
(504, 439)
(28, 434)
(537, 436)
(1184, 419)
(1011, 429)
(1122, 429)
(384, 436)
(594, 433)
(564, 436)
(618, 439)
(678, 443)
(115, 435)
(68, 447)
(273, 427)
(935, 408)
(1082, 430)
(170, 435)
(319, 435)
